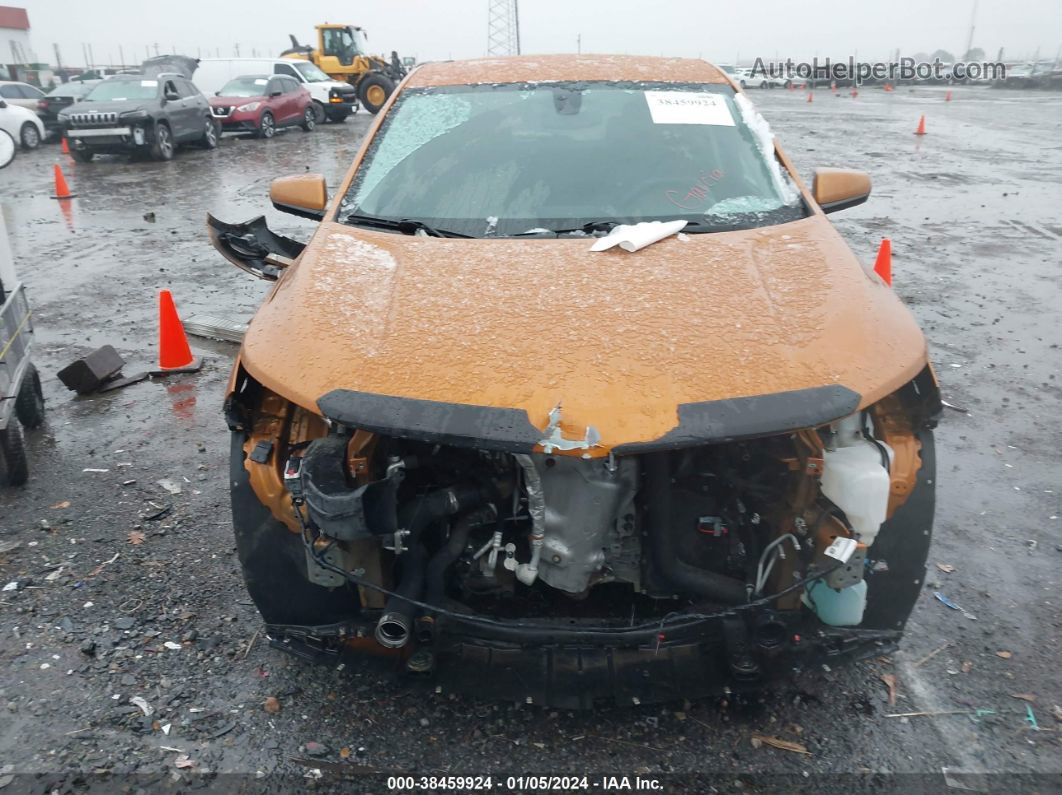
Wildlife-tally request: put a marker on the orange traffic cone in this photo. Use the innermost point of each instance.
(64, 146)
(809, 96)
(62, 190)
(921, 125)
(947, 97)
(174, 353)
(883, 264)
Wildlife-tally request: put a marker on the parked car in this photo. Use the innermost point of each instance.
(62, 96)
(332, 100)
(262, 104)
(744, 77)
(133, 114)
(21, 124)
(534, 468)
(22, 94)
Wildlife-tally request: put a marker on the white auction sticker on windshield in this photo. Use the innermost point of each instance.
(261, 81)
(148, 83)
(688, 107)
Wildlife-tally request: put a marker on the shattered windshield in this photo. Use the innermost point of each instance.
(247, 86)
(534, 158)
(117, 90)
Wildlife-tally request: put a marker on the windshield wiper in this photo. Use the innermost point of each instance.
(588, 228)
(406, 226)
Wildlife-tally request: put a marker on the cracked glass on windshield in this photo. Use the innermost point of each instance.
(517, 158)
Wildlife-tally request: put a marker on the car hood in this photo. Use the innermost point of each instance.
(619, 341)
(343, 88)
(226, 101)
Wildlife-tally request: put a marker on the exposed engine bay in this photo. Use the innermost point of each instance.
(554, 547)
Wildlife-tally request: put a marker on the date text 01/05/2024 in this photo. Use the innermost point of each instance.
(522, 783)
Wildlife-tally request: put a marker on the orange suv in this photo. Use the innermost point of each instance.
(575, 396)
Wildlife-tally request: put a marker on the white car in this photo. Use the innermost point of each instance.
(21, 124)
(744, 78)
(21, 94)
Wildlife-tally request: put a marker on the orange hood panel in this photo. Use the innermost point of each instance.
(619, 340)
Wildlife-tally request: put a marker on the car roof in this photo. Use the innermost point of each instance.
(254, 77)
(547, 68)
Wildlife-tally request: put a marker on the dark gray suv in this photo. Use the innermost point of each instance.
(139, 114)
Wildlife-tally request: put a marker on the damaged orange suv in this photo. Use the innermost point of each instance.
(471, 433)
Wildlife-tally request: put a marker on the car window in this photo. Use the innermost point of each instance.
(10, 92)
(185, 89)
(505, 158)
(291, 85)
(31, 92)
(275, 84)
(284, 69)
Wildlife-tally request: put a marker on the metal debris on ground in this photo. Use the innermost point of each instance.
(216, 328)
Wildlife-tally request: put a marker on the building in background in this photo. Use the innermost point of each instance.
(14, 37)
(17, 57)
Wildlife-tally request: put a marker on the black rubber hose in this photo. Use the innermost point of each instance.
(452, 549)
(396, 623)
(682, 576)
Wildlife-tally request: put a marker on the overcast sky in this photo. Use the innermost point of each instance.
(441, 29)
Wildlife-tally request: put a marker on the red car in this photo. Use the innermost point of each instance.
(263, 103)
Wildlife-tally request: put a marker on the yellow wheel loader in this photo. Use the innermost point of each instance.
(342, 53)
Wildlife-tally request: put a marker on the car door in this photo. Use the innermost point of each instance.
(292, 92)
(275, 103)
(173, 107)
(192, 109)
(198, 105)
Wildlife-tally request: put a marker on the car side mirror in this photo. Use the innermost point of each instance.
(171, 96)
(305, 195)
(275, 93)
(2, 104)
(840, 188)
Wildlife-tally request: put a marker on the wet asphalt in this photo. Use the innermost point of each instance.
(111, 565)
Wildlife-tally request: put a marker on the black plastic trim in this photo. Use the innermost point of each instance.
(484, 427)
(510, 430)
(716, 421)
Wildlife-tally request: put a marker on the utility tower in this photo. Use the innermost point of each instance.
(503, 27)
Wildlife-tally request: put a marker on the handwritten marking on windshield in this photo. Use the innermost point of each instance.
(698, 193)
